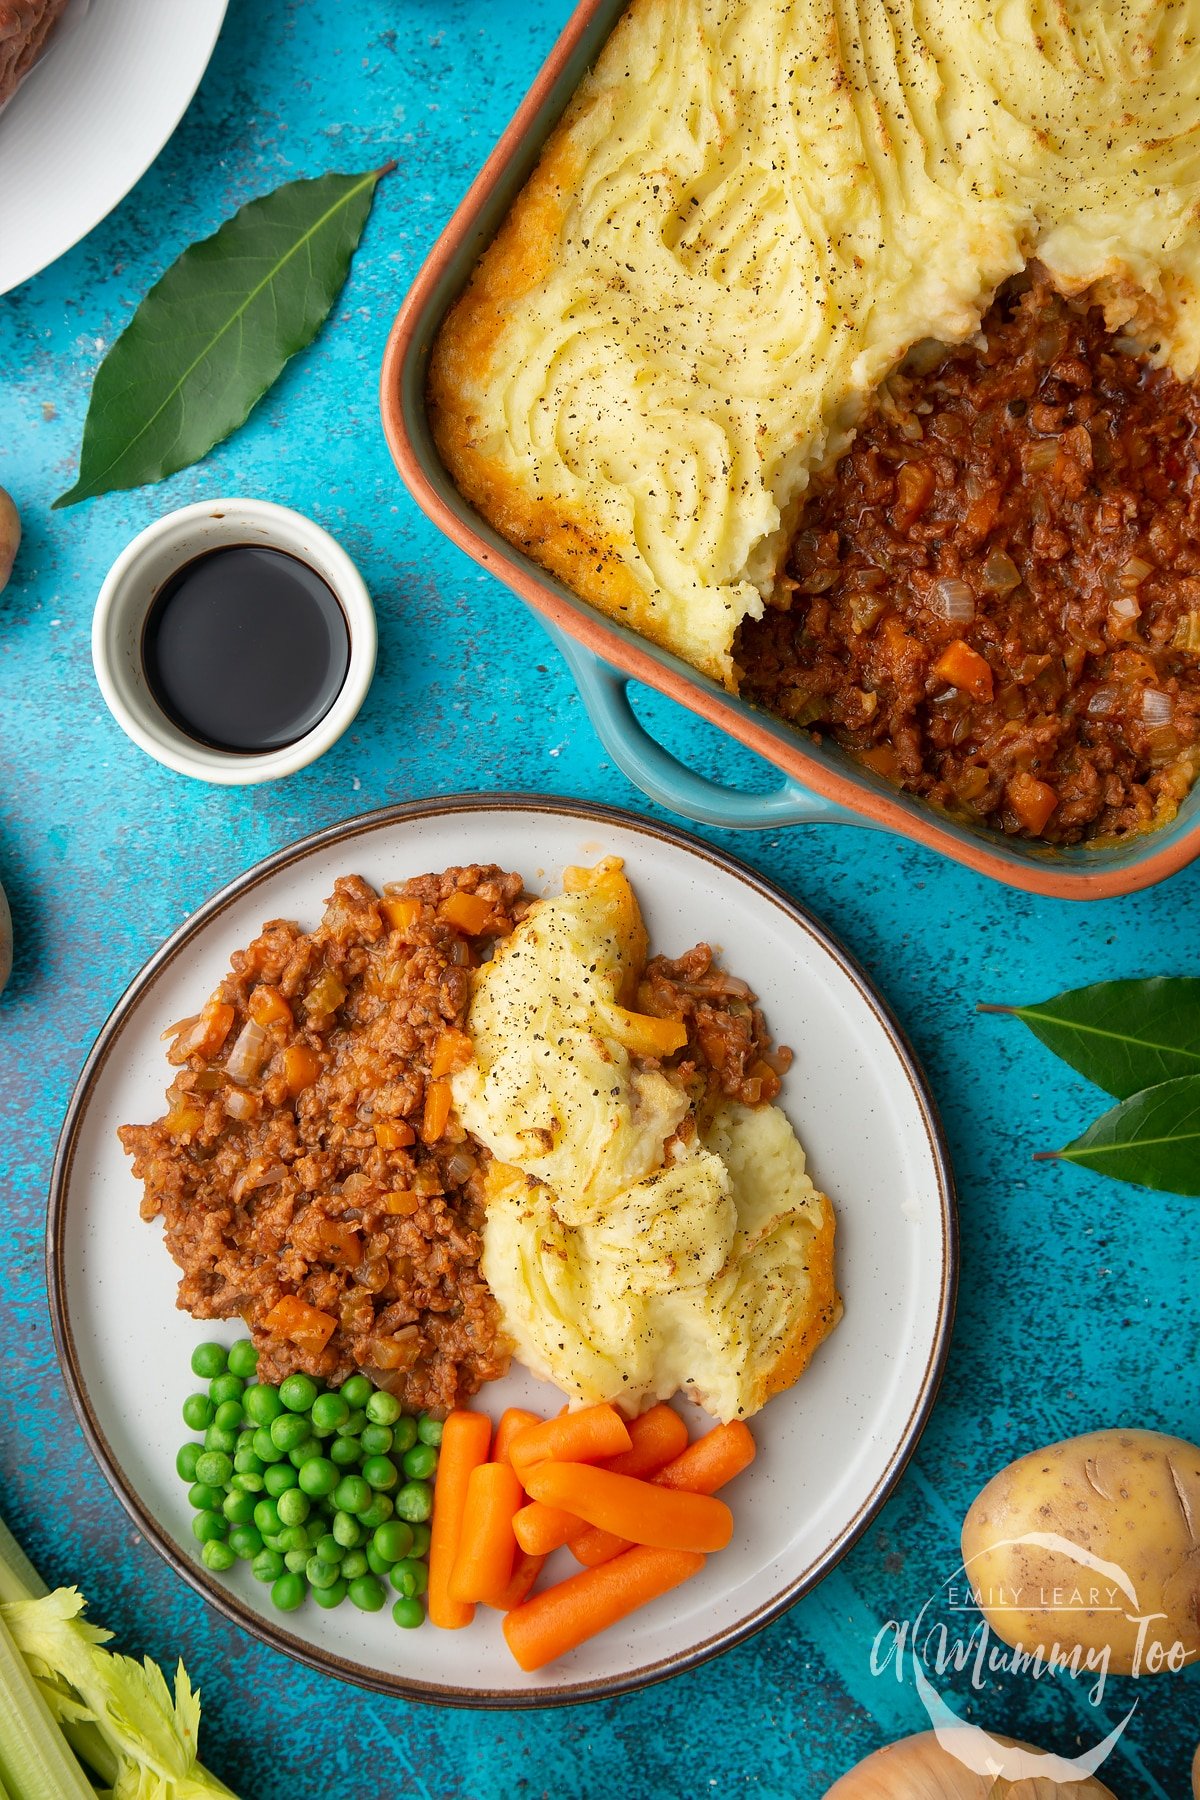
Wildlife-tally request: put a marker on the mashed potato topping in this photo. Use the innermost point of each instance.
(635, 1248)
(751, 211)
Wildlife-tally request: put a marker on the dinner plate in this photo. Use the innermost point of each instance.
(91, 118)
(829, 1450)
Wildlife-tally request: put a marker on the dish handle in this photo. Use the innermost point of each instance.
(666, 780)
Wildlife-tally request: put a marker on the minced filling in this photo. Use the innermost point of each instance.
(993, 597)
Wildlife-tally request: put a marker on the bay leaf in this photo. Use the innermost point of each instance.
(214, 333)
(1152, 1139)
(1123, 1035)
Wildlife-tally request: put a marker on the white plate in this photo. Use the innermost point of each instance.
(91, 118)
(829, 1449)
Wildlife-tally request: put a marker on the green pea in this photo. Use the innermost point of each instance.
(305, 1452)
(208, 1360)
(288, 1592)
(320, 1574)
(288, 1430)
(414, 1502)
(296, 1561)
(410, 1577)
(293, 1537)
(246, 1462)
(383, 1408)
(328, 1412)
(262, 1403)
(378, 1513)
(279, 1478)
(265, 1448)
(266, 1517)
(197, 1411)
(217, 1438)
(318, 1477)
(245, 1541)
(209, 1525)
(420, 1462)
(356, 1391)
(404, 1436)
(267, 1566)
(328, 1548)
(273, 1540)
(248, 1481)
(228, 1416)
(354, 1564)
(421, 1536)
(408, 1613)
(378, 1565)
(347, 1530)
(352, 1494)
(215, 1468)
(381, 1473)
(186, 1458)
(366, 1592)
(242, 1359)
(293, 1506)
(429, 1430)
(225, 1387)
(330, 1596)
(204, 1497)
(238, 1508)
(376, 1440)
(298, 1392)
(345, 1452)
(393, 1540)
(218, 1556)
(351, 1426)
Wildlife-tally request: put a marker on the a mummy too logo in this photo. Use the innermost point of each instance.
(1036, 1608)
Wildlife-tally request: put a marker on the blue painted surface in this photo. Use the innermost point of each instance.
(1078, 1299)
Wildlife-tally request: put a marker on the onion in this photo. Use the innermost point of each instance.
(248, 1053)
(953, 601)
(919, 1768)
(179, 1026)
(258, 1175)
(460, 1168)
(1157, 707)
(1000, 574)
(1103, 701)
(1187, 632)
(1135, 571)
(240, 1105)
(1124, 612)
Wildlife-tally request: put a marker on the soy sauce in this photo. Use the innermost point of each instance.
(245, 648)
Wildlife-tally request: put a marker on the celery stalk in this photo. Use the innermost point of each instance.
(34, 1759)
(19, 1580)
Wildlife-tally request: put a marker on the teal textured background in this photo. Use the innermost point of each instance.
(1078, 1300)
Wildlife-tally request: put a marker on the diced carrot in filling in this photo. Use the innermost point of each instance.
(400, 910)
(1032, 801)
(303, 1325)
(268, 1007)
(964, 668)
(394, 1134)
(301, 1066)
(437, 1111)
(466, 912)
(452, 1052)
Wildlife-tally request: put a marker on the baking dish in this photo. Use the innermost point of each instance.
(821, 784)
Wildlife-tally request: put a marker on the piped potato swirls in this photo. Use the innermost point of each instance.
(748, 215)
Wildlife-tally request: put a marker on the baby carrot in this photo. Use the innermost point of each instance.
(515, 1419)
(656, 1438)
(702, 1468)
(487, 1548)
(567, 1615)
(635, 1509)
(526, 1570)
(541, 1529)
(465, 1440)
(584, 1436)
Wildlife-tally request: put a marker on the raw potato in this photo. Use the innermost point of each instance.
(917, 1768)
(10, 536)
(1130, 1501)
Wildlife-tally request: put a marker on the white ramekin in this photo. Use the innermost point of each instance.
(137, 576)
